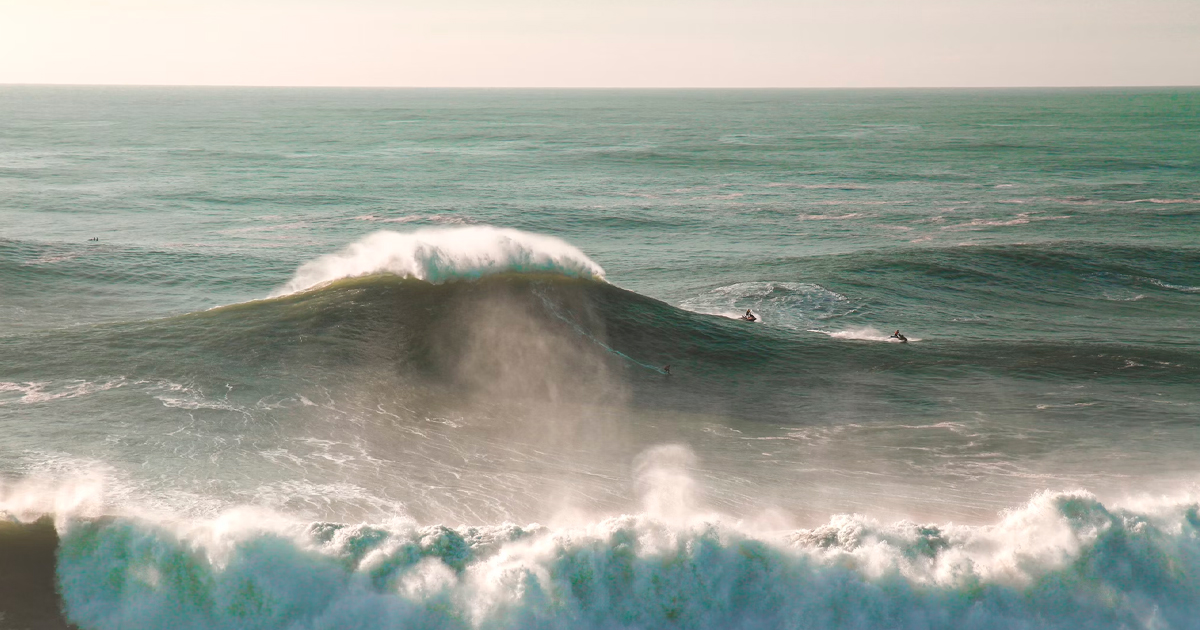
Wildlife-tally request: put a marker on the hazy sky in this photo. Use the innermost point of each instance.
(668, 43)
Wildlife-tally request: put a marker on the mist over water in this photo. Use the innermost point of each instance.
(351, 358)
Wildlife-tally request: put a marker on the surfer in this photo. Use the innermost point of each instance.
(750, 316)
(897, 335)
(667, 369)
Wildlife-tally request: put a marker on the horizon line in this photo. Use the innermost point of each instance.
(609, 87)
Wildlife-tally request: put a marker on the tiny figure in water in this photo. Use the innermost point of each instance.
(667, 369)
(749, 316)
(897, 335)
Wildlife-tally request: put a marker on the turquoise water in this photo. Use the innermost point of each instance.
(242, 393)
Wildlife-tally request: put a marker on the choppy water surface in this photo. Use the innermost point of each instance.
(360, 358)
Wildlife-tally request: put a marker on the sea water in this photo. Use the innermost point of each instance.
(397, 358)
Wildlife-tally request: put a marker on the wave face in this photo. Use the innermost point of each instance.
(442, 255)
(442, 402)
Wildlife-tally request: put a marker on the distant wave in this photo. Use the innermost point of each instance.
(445, 219)
(443, 254)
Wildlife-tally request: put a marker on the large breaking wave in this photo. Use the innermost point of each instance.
(392, 342)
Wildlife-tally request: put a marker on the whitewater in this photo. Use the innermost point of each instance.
(437, 256)
(485, 370)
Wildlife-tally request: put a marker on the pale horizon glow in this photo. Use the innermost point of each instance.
(602, 43)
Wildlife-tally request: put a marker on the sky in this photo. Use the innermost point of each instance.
(602, 43)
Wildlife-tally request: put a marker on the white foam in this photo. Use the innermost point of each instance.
(439, 255)
(47, 259)
(788, 304)
(1063, 560)
(862, 333)
(43, 391)
(1176, 287)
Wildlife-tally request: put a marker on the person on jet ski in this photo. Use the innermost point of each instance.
(902, 338)
(749, 316)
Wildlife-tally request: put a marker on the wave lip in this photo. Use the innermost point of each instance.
(440, 255)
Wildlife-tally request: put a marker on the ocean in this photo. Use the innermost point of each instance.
(471, 359)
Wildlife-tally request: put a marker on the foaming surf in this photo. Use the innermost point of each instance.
(1060, 560)
(439, 255)
(39, 392)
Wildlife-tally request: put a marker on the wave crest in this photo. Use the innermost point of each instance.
(445, 254)
(1063, 560)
